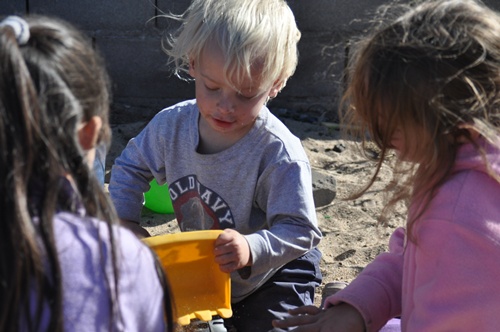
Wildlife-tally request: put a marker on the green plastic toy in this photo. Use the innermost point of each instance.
(157, 199)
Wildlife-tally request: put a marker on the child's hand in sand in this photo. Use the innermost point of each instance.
(342, 317)
(232, 251)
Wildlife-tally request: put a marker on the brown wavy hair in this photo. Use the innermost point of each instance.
(431, 70)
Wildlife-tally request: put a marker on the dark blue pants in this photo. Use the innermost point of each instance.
(291, 286)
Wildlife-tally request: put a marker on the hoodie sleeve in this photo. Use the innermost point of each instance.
(376, 292)
(140, 161)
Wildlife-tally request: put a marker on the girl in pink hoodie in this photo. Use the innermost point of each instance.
(427, 86)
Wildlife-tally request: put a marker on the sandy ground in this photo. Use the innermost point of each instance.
(351, 237)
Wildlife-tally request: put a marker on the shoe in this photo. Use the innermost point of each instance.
(330, 289)
(217, 325)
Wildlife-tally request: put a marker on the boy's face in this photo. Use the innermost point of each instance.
(224, 110)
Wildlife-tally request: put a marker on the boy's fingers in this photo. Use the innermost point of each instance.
(223, 238)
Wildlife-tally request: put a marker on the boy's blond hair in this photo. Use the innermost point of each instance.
(252, 34)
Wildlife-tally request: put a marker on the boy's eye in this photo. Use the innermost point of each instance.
(211, 88)
(242, 96)
(249, 94)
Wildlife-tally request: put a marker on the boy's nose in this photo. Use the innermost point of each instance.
(225, 104)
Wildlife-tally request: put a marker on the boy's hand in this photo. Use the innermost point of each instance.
(231, 251)
(135, 228)
(342, 317)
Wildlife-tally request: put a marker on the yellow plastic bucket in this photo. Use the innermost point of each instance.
(199, 288)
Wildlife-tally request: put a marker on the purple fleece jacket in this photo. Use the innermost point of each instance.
(84, 254)
(449, 279)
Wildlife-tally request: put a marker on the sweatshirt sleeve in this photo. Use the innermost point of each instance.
(285, 194)
(376, 292)
(139, 162)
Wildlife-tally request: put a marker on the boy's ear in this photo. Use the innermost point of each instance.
(88, 133)
(277, 86)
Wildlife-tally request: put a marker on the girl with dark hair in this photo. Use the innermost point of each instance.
(65, 264)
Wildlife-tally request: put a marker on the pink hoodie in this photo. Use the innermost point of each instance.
(450, 279)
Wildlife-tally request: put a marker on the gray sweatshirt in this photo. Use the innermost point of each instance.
(261, 187)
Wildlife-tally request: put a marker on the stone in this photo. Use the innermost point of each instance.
(324, 188)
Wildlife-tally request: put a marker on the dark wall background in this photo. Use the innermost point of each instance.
(128, 34)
